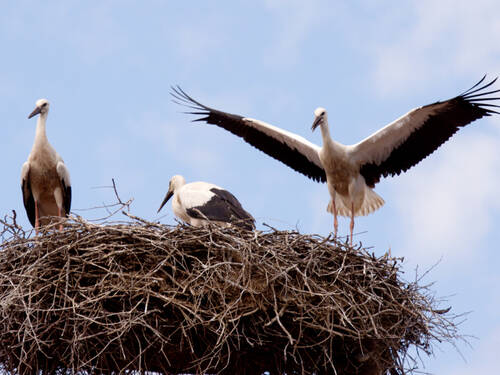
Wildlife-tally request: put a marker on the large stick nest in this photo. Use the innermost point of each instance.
(136, 295)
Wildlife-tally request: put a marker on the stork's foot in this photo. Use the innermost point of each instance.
(59, 212)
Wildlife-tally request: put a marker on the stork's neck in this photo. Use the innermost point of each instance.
(325, 133)
(40, 134)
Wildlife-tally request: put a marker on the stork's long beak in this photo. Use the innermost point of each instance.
(316, 122)
(35, 112)
(167, 197)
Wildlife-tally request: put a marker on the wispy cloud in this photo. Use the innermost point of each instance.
(295, 21)
(176, 142)
(92, 33)
(449, 205)
(443, 38)
(481, 362)
(194, 43)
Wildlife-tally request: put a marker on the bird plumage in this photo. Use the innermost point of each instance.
(45, 180)
(287, 147)
(199, 203)
(405, 142)
(352, 170)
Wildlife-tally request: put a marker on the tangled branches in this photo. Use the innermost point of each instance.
(143, 296)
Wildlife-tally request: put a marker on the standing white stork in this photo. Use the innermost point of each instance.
(352, 171)
(45, 179)
(199, 203)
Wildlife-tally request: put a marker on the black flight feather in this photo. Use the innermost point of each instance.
(236, 125)
(435, 131)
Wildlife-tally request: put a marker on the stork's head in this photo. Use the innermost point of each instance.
(42, 108)
(320, 117)
(176, 182)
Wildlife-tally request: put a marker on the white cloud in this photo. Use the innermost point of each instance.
(446, 38)
(99, 36)
(199, 43)
(295, 20)
(483, 361)
(448, 204)
(93, 33)
(177, 143)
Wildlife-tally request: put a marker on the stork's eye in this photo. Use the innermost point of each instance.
(44, 105)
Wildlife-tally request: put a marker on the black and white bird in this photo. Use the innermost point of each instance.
(352, 171)
(45, 181)
(199, 203)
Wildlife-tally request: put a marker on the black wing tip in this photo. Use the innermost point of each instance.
(479, 97)
(181, 97)
(475, 90)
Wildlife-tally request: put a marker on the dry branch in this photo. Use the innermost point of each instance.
(143, 296)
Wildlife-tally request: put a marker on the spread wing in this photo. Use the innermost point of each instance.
(289, 148)
(405, 142)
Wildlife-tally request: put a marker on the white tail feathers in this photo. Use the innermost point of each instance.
(371, 202)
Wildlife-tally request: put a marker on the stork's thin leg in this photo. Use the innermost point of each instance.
(59, 213)
(352, 220)
(335, 221)
(37, 219)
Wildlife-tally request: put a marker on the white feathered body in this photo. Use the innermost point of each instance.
(43, 176)
(191, 195)
(344, 182)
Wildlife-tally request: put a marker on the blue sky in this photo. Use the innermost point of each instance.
(107, 68)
